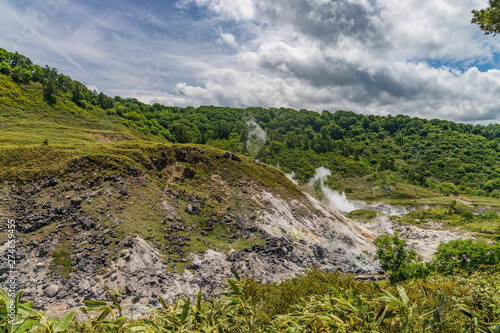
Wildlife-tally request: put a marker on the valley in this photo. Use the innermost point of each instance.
(160, 202)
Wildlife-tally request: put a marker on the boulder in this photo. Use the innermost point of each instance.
(51, 290)
(50, 183)
(188, 173)
(76, 201)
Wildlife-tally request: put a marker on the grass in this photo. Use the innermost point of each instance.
(319, 301)
(61, 262)
(380, 186)
(362, 214)
(25, 119)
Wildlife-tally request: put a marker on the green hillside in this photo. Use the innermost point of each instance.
(364, 152)
(84, 173)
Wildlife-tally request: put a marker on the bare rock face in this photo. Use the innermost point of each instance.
(334, 241)
(84, 237)
(423, 241)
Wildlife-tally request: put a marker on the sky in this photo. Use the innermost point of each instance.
(422, 58)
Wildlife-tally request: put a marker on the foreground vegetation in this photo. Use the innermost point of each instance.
(458, 291)
(316, 302)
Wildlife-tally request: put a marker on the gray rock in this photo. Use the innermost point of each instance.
(51, 291)
(76, 201)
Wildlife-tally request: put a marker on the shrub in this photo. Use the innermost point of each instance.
(362, 214)
(466, 255)
(396, 258)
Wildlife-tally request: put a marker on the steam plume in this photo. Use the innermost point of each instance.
(256, 137)
(335, 199)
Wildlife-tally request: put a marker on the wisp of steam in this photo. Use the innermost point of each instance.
(340, 202)
(291, 176)
(256, 137)
(335, 199)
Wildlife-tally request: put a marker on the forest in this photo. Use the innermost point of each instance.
(453, 158)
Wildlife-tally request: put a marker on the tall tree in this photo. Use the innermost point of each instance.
(488, 18)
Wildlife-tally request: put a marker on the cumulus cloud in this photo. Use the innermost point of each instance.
(367, 56)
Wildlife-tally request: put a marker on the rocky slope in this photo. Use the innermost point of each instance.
(175, 220)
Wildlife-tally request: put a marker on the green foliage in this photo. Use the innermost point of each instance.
(20, 317)
(448, 188)
(333, 302)
(51, 324)
(278, 299)
(362, 214)
(466, 255)
(488, 18)
(393, 255)
(104, 316)
(15, 315)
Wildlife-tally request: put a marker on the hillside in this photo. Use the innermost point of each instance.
(99, 203)
(409, 162)
(109, 192)
(361, 151)
(113, 212)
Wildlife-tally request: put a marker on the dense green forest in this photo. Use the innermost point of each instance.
(451, 157)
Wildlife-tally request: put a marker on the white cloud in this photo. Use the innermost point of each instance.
(227, 38)
(367, 56)
(232, 9)
(416, 57)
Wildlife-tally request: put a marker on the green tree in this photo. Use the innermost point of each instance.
(49, 91)
(395, 257)
(182, 135)
(4, 67)
(466, 255)
(488, 19)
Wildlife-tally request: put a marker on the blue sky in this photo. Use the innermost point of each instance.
(417, 57)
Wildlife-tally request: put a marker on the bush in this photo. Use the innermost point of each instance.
(402, 263)
(467, 215)
(491, 215)
(362, 214)
(448, 188)
(466, 255)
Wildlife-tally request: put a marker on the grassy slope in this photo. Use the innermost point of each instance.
(26, 119)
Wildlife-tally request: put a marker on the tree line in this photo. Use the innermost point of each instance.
(454, 157)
